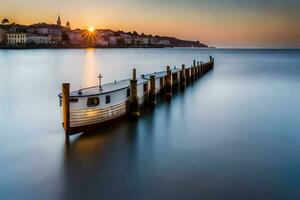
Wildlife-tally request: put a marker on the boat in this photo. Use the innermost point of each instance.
(96, 106)
(92, 107)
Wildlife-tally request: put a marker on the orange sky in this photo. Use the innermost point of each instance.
(221, 23)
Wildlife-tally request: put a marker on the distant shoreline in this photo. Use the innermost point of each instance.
(218, 48)
(95, 47)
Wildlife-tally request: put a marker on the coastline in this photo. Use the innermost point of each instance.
(97, 47)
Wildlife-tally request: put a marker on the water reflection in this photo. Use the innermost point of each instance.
(232, 131)
(90, 71)
(88, 154)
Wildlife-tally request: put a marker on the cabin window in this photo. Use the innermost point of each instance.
(145, 87)
(93, 101)
(73, 100)
(128, 92)
(107, 99)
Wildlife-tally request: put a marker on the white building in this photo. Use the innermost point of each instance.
(16, 38)
(164, 42)
(112, 41)
(145, 41)
(127, 39)
(137, 41)
(55, 39)
(2, 36)
(48, 30)
(105, 33)
(37, 39)
(154, 41)
(101, 42)
(75, 37)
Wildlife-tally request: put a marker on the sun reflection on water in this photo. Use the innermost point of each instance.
(90, 71)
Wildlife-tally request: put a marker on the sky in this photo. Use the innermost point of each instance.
(220, 23)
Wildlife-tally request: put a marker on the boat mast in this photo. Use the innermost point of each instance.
(100, 77)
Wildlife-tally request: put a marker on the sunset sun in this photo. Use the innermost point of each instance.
(91, 29)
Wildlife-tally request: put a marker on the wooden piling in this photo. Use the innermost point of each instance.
(161, 86)
(201, 69)
(133, 100)
(66, 108)
(193, 73)
(152, 91)
(168, 85)
(178, 74)
(198, 70)
(182, 77)
(187, 75)
(194, 68)
(174, 79)
(190, 74)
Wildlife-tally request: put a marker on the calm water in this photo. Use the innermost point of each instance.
(235, 134)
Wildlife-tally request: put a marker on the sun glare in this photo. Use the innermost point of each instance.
(90, 34)
(91, 29)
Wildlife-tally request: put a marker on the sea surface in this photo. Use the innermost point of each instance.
(234, 134)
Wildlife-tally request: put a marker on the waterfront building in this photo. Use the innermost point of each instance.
(48, 29)
(105, 33)
(145, 41)
(55, 39)
(16, 38)
(164, 42)
(37, 39)
(2, 36)
(100, 33)
(108, 32)
(75, 37)
(100, 41)
(154, 41)
(112, 40)
(30, 29)
(16, 28)
(127, 38)
(137, 41)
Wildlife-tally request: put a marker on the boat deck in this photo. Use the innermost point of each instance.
(105, 88)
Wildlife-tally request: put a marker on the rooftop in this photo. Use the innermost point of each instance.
(105, 88)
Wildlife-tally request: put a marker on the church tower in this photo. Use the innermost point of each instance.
(68, 25)
(58, 22)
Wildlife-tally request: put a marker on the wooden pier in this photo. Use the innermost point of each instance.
(156, 83)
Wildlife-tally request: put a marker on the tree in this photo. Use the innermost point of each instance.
(5, 21)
